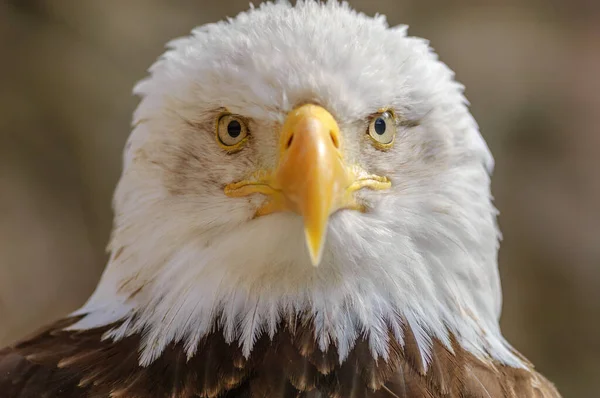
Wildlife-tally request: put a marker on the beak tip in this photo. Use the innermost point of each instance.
(315, 248)
(315, 259)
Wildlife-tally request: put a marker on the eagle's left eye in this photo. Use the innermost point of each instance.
(232, 132)
(382, 129)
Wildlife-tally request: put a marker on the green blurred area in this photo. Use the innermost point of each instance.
(531, 71)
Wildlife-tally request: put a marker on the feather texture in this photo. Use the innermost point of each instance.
(64, 363)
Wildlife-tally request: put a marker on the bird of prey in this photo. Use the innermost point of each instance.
(304, 211)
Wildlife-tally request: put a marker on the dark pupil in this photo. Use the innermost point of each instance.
(380, 126)
(234, 128)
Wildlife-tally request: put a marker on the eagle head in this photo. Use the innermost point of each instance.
(303, 161)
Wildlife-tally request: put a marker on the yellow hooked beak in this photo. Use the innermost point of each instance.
(311, 178)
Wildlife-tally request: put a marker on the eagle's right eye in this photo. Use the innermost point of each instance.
(232, 132)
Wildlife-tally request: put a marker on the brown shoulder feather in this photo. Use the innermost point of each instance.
(59, 363)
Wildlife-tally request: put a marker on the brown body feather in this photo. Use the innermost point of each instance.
(57, 363)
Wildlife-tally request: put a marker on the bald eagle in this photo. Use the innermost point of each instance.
(304, 211)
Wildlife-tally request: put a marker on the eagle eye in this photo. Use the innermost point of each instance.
(382, 129)
(232, 132)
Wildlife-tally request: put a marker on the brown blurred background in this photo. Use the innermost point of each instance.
(532, 72)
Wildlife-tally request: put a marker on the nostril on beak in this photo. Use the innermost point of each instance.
(289, 142)
(334, 139)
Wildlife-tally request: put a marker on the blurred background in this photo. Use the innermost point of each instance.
(531, 69)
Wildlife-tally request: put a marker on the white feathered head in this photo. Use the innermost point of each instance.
(296, 136)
